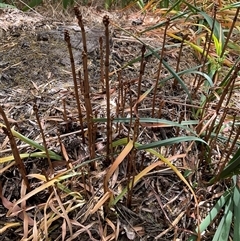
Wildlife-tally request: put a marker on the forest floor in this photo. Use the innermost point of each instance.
(35, 69)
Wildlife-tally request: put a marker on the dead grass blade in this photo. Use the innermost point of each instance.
(32, 193)
(107, 192)
(117, 162)
(101, 202)
(35, 230)
(15, 209)
(174, 223)
(113, 235)
(82, 229)
(23, 207)
(2, 170)
(8, 226)
(65, 215)
(48, 218)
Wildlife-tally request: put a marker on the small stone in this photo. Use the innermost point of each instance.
(42, 37)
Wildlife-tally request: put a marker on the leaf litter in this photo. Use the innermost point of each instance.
(35, 70)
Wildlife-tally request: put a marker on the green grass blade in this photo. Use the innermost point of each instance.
(214, 212)
(236, 218)
(147, 54)
(161, 24)
(27, 155)
(65, 3)
(141, 4)
(120, 142)
(217, 31)
(4, 5)
(174, 74)
(33, 143)
(178, 78)
(231, 169)
(222, 232)
(227, 78)
(193, 8)
(234, 46)
(150, 120)
(175, 6)
(207, 77)
(170, 141)
(234, 5)
(32, 4)
(166, 123)
(186, 71)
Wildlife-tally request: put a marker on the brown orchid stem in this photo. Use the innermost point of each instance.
(159, 67)
(141, 72)
(175, 82)
(88, 104)
(43, 138)
(203, 60)
(101, 62)
(109, 127)
(223, 96)
(81, 25)
(230, 31)
(67, 39)
(65, 114)
(18, 160)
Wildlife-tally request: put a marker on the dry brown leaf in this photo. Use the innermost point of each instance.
(15, 209)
